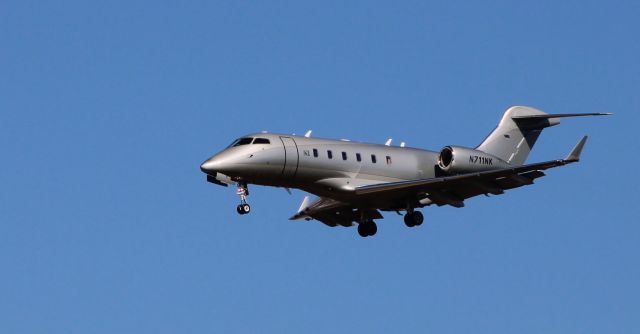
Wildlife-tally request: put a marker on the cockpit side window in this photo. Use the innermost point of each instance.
(261, 141)
(241, 141)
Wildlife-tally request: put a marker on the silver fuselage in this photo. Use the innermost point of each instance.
(355, 181)
(290, 161)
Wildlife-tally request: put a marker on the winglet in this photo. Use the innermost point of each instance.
(304, 205)
(300, 214)
(574, 156)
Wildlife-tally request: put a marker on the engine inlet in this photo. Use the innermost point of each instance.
(446, 157)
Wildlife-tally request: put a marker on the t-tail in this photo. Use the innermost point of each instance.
(517, 132)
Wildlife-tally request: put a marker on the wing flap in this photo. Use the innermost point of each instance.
(332, 213)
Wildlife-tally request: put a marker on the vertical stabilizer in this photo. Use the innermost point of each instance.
(517, 132)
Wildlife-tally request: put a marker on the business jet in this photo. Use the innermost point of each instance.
(355, 181)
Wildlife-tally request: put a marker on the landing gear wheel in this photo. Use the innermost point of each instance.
(362, 230)
(366, 229)
(372, 228)
(408, 219)
(414, 218)
(243, 209)
(418, 218)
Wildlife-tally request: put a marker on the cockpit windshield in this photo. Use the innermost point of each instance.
(261, 141)
(249, 140)
(241, 141)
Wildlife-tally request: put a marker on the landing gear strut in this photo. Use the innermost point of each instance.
(413, 218)
(243, 192)
(367, 228)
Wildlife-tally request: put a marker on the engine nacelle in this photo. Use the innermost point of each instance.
(456, 160)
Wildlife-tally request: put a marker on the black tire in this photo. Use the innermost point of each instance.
(246, 208)
(372, 228)
(418, 218)
(362, 230)
(240, 209)
(408, 219)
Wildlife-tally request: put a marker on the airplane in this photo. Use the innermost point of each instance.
(355, 181)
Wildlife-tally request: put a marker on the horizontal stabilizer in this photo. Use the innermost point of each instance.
(574, 156)
(560, 115)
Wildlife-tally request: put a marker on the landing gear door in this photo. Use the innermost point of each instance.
(290, 157)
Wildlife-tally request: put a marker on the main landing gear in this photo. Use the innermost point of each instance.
(413, 218)
(367, 228)
(243, 191)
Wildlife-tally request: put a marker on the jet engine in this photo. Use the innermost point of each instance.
(457, 160)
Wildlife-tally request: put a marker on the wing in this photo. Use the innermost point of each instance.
(453, 190)
(331, 212)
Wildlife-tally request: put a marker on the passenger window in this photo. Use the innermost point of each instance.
(358, 157)
(315, 153)
(330, 154)
(388, 160)
(261, 141)
(344, 155)
(373, 158)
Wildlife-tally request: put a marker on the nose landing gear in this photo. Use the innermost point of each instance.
(244, 207)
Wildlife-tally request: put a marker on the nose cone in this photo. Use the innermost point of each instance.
(227, 162)
(211, 166)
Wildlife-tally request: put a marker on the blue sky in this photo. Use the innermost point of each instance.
(108, 108)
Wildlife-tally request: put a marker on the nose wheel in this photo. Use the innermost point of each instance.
(243, 208)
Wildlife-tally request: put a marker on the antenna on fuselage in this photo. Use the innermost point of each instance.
(388, 143)
(402, 144)
(308, 134)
